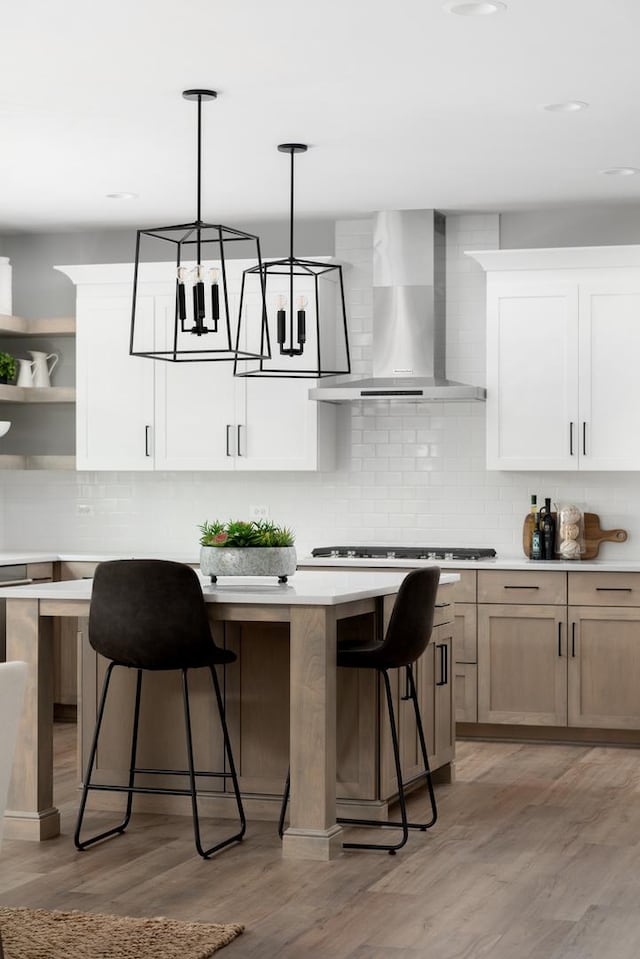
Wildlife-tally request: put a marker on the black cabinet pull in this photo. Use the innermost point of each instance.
(239, 449)
(584, 438)
(573, 639)
(147, 430)
(614, 589)
(228, 429)
(521, 587)
(559, 639)
(407, 688)
(570, 439)
(442, 647)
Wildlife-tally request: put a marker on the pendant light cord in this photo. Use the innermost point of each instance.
(199, 177)
(291, 209)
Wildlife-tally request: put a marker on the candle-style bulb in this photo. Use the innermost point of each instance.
(215, 298)
(281, 302)
(302, 302)
(182, 303)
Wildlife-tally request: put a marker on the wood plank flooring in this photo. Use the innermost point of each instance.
(536, 855)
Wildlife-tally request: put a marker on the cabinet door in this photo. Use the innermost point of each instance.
(532, 375)
(280, 428)
(609, 382)
(114, 411)
(195, 425)
(444, 705)
(522, 666)
(604, 667)
(466, 632)
(466, 692)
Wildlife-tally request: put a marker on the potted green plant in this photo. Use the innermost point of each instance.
(246, 548)
(7, 367)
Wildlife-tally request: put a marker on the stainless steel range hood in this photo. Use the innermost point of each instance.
(409, 306)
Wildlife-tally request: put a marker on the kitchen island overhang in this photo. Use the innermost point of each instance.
(311, 604)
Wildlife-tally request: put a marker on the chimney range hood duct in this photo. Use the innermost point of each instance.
(408, 316)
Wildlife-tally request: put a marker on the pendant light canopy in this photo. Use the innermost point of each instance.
(198, 257)
(305, 334)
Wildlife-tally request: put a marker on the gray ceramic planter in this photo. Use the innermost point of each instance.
(277, 561)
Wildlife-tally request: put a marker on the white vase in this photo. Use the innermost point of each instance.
(41, 369)
(277, 561)
(25, 372)
(5, 286)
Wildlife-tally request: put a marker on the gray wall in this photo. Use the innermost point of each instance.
(39, 290)
(587, 225)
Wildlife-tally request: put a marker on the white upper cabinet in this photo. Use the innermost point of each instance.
(134, 413)
(563, 354)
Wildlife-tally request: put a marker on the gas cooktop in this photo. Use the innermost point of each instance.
(403, 552)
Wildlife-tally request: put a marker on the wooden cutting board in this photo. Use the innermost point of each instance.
(593, 535)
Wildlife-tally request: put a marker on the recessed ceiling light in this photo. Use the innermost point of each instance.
(620, 171)
(569, 106)
(122, 196)
(474, 8)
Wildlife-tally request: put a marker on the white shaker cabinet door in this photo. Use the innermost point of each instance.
(195, 426)
(610, 374)
(114, 417)
(280, 428)
(532, 375)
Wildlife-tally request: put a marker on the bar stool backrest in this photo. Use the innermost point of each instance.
(411, 621)
(149, 614)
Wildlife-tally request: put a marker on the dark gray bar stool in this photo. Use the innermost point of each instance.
(150, 615)
(406, 639)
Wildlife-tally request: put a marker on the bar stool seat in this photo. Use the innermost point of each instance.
(406, 639)
(151, 615)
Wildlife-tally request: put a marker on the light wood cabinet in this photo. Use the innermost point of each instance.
(528, 586)
(576, 310)
(466, 633)
(522, 665)
(466, 688)
(604, 667)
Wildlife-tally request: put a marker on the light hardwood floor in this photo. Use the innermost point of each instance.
(536, 855)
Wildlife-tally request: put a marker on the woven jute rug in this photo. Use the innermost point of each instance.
(44, 934)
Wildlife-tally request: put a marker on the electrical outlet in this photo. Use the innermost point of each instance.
(259, 512)
(84, 509)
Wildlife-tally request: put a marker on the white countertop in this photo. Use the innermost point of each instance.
(306, 588)
(513, 562)
(15, 557)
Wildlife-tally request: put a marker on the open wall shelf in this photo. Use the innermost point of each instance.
(53, 326)
(29, 462)
(37, 394)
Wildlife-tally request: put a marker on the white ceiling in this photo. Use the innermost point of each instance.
(404, 105)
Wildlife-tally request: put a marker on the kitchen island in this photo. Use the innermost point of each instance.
(311, 606)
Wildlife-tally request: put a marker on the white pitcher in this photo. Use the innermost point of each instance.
(41, 369)
(25, 375)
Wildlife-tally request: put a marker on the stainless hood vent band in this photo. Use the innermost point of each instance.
(409, 314)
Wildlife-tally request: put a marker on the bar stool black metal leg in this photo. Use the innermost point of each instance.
(92, 757)
(229, 753)
(205, 853)
(390, 848)
(425, 756)
(284, 804)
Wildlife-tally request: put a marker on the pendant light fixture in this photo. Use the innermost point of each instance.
(198, 325)
(305, 334)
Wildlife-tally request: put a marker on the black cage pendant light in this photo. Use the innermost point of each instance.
(305, 335)
(197, 324)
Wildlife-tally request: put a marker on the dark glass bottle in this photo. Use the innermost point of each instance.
(548, 531)
(536, 532)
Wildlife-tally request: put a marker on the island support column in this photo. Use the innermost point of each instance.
(30, 811)
(313, 832)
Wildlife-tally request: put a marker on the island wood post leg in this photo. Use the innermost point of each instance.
(313, 832)
(30, 811)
